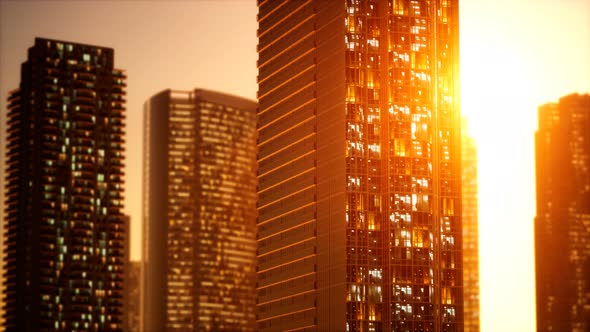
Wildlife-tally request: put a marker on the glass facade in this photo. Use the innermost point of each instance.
(64, 228)
(376, 82)
(562, 224)
(200, 212)
(392, 158)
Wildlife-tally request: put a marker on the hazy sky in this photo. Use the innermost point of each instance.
(515, 55)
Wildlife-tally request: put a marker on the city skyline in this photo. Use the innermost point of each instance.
(520, 233)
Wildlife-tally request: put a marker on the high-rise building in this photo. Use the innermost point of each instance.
(64, 229)
(562, 224)
(470, 232)
(359, 209)
(199, 212)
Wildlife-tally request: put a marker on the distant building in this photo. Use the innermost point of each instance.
(63, 231)
(132, 302)
(199, 212)
(562, 225)
(470, 233)
(132, 269)
(359, 166)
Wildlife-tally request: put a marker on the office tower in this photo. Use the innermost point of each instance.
(562, 224)
(132, 290)
(64, 231)
(199, 212)
(359, 210)
(470, 232)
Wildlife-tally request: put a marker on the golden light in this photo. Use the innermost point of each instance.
(497, 88)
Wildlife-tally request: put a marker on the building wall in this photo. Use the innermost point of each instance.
(470, 235)
(200, 212)
(64, 233)
(562, 239)
(359, 222)
(331, 169)
(301, 181)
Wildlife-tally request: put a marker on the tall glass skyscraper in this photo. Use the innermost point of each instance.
(562, 225)
(199, 212)
(64, 231)
(359, 166)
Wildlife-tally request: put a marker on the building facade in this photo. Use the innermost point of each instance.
(132, 273)
(470, 232)
(562, 224)
(132, 300)
(199, 212)
(359, 166)
(64, 231)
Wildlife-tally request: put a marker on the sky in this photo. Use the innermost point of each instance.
(515, 56)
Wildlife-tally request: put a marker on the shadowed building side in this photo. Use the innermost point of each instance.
(199, 245)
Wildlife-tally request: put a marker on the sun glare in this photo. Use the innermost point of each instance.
(497, 100)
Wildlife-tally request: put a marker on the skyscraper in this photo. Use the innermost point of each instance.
(470, 232)
(199, 212)
(64, 231)
(359, 210)
(562, 225)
